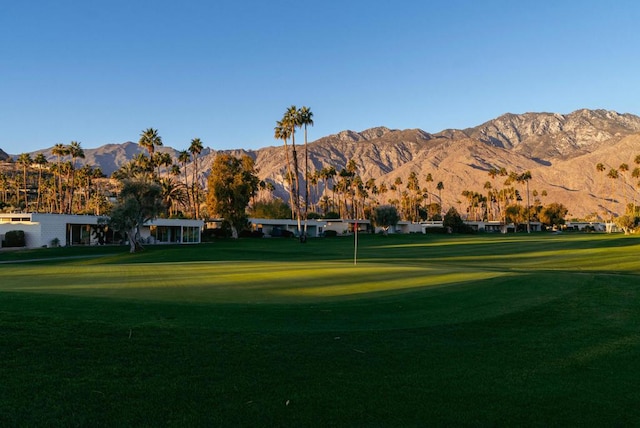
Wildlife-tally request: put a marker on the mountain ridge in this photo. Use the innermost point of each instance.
(544, 143)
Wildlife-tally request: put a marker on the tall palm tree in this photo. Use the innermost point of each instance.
(524, 179)
(624, 168)
(440, 188)
(291, 120)
(413, 186)
(25, 161)
(41, 161)
(60, 151)
(4, 186)
(282, 132)
(635, 174)
(613, 175)
(306, 119)
(600, 167)
(75, 151)
(195, 148)
(184, 157)
(149, 139)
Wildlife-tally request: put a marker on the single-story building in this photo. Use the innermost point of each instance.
(46, 230)
(275, 226)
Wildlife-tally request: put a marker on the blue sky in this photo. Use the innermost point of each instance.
(100, 72)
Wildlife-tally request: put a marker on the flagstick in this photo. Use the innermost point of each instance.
(355, 245)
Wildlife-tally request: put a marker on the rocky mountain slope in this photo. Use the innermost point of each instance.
(561, 151)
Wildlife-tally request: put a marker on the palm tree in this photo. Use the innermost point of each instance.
(4, 186)
(413, 186)
(524, 178)
(292, 121)
(76, 152)
(195, 148)
(41, 161)
(306, 118)
(429, 179)
(160, 160)
(149, 139)
(60, 151)
(624, 168)
(173, 195)
(600, 167)
(25, 160)
(440, 188)
(635, 174)
(613, 175)
(184, 157)
(281, 132)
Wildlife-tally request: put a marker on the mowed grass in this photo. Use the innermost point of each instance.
(533, 330)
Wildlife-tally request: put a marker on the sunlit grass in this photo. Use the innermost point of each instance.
(423, 331)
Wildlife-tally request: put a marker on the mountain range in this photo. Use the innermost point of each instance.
(560, 150)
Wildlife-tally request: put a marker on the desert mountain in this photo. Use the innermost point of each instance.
(561, 151)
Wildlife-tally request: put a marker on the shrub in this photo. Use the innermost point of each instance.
(209, 234)
(435, 230)
(246, 233)
(331, 215)
(277, 232)
(330, 233)
(14, 238)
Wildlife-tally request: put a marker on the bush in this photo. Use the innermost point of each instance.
(330, 233)
(208, 235)
(246, 233)
(276, 232)
(435, 230)
(14, 238)
(331, 215)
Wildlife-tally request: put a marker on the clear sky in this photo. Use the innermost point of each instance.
(100, 72)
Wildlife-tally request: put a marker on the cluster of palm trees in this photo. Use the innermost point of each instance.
(63, 186)
(180, 196)
(285, 129)
(504, 203)
(66, 186)
(621, 173)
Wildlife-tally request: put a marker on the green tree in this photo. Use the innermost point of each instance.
(138, 202)
(231, 188)
(453, 222)
(275, 208)
(553, 214)
(627, 223)
(385, 216)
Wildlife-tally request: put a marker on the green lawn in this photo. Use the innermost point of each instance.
(533, 330)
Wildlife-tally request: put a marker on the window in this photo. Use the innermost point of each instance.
(191, 234)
